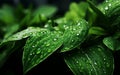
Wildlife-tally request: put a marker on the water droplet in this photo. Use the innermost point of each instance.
(66, 48)
(91, 70)
(49, 50)
(78, 34)
(104, 59)
(109, 4)
(38, 51)
(78, 24)
(72, 40)
(107, 64)
(48, 44)
(95, 63)
(66, 27)
(106, 1)
(106, 8)
(99, 49)
(30, 53)
(55, 39)
(74, 29)
(33, 46)
(46, 26)
(77, 62)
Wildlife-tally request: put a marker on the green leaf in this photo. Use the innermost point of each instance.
(76, 11)
(47, 10)
(74, 35)
(111, 8)
(7, 14)
(97, 31)
(112, 43)
(6, 52)
(101, 19)
(95, 60)
(42, 13)
(23, 34)
(38, 48)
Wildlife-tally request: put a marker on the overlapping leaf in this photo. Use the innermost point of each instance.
(39, 47)
(74, 35)
(111, 8)
(95, 60)
(23, 34)
(112, 43)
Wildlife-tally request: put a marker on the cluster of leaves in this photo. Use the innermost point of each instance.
(86, 36)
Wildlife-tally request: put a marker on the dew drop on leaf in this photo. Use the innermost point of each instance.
(49, 50)
(66, 48)
(77, 62)
(78, 34)
(38, 51)
(78, 24)
(106, 8)
(109, 4)
(30, 53)
(95, 63)
(107, 64)
(48, 44)
(33, 46)
(106, 1)
(54, 39)
(74, 29)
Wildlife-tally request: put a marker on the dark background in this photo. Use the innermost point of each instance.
(54, 65)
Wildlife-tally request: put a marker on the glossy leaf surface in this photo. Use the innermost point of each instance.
(95, 60)
(74, 35)
(39, 47)
(112, 43)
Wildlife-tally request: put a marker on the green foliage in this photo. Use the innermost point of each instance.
(38, 48)
(86, 36)
(95, 60)
(76, 33)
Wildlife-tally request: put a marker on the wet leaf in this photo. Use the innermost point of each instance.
(95, 60)
(38, 48)
(97, 31)
(112, 43)
(22, 34)
(74, 35)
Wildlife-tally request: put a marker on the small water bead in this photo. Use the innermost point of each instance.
(78, 24)
(49, 50)
(48, 44)
(107, 64)
(38, 51)
(104, 59)
(78, 34)
(106, 1)
(66, 48)
(95, 63)
(72, 40)
(109, 4)
(106, 8)
(54, 39)
(31, 54)
(46, 26)
(77, 62)
(74, 29)
(33, 46)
